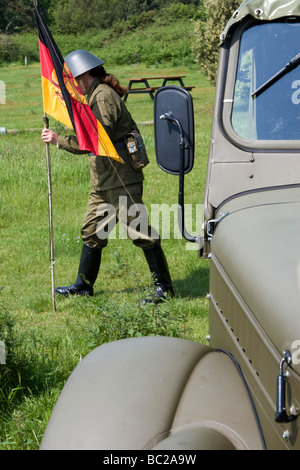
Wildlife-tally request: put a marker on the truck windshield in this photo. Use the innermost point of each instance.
(273, 114)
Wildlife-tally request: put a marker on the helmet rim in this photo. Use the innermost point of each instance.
(81, 61)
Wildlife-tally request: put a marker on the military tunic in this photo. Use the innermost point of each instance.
(111, 112)
(111, 181)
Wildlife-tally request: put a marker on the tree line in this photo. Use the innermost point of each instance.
(71, 16)
(117, 18)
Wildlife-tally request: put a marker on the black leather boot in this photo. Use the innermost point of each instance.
(159, 269)
(87, 273)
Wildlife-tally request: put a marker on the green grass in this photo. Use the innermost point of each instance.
(45, 346)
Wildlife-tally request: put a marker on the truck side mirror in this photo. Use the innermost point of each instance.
(174, 129)
(174, 139)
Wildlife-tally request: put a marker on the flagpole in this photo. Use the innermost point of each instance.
(46, 126)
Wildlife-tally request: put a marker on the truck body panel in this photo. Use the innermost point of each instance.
(140, 393)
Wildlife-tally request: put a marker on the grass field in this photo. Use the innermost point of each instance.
(44, 346)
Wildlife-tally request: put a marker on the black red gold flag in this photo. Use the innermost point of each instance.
(64, 101)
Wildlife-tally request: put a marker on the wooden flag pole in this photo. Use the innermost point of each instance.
(46, 126)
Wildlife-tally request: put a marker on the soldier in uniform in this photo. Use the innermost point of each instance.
(114, 184)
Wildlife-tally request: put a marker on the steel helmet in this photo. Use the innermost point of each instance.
(82, 61)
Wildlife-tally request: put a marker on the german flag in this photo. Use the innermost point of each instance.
(64, 101)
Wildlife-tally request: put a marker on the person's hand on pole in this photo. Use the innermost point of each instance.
(49, 136)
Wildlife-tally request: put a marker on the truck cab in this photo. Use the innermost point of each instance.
(252, 203)
(242, 391)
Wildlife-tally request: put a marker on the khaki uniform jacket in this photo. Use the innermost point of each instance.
(111, 112)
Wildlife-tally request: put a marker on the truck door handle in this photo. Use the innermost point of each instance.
(281, 415)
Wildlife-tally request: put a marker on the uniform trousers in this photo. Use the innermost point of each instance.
(123, 205)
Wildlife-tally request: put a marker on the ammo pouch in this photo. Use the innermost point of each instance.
(136, 149)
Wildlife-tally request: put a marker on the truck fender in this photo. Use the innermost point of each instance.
(153, 392)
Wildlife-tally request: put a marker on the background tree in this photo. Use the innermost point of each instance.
(75, 16)
(94, 24)
(206, 46)
(17, 15)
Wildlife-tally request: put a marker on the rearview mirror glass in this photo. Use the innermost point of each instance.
(174, 128)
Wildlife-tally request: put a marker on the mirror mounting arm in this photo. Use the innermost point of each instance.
(183, 147)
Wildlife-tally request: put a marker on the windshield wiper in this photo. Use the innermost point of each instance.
(287, 68)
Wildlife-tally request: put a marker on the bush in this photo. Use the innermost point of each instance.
(178, 11)
(158, 44)
(9, 49)
(28, 46)
(15, 48)
(206, 45)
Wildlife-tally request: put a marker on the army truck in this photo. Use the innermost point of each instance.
(242, 391)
